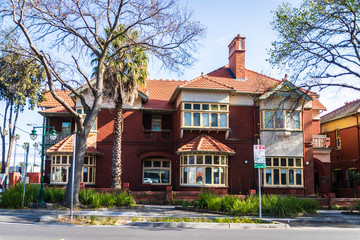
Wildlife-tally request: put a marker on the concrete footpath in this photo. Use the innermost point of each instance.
(146, 212)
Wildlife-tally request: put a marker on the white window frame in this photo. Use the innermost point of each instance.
(285, 119)
(54, 164)
(186, 165)
(270, 166)
(152, 167)
(219, 111)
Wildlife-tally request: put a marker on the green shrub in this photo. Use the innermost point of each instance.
(95, 200)
(85, 196)
(273, 205)
(54, 195)
(107, 200)
(12, 198)
(124, 199)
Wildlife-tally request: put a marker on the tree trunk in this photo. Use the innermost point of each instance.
(12, 128)
(116, 159)
(81, 138)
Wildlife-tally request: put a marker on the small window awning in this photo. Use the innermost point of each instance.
(205, 144)
(66, 146)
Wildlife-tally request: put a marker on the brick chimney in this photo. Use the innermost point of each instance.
(237, 57)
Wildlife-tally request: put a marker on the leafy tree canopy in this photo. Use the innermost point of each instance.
(319, 41)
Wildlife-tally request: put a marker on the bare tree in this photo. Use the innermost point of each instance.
(75, 29)
(319, 41)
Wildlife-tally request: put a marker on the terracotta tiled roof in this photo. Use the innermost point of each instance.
(50, 101)
(254, 82)
(205, 143)
(205, 82)
(348, 109)
(59, 109)
(316, 104)
(66, 146)
(159, 93)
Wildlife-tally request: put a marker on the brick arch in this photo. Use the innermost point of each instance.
(156, 154)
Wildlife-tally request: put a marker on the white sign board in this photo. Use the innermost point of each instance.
(259, 154)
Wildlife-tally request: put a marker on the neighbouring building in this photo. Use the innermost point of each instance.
(343, 127)
(200, 133)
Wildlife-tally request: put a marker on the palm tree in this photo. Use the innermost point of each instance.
(126, 69)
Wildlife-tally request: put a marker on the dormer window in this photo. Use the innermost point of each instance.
(205, 115)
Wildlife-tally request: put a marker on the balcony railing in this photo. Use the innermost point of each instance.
(321, 141)
(59, 137)
(154, 136)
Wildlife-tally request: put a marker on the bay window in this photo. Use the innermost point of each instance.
(203, 170)
(280, 119)
(283, 172)
(205, 115)
(60, 169)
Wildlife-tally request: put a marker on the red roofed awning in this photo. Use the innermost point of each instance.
(66, 146)
(205, 143)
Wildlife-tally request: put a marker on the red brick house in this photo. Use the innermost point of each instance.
(342, 126)
(200, 133)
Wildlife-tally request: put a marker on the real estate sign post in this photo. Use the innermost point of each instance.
(259, 162)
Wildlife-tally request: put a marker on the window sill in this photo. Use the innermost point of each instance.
(206, 128)
(202, 186)
(297, 187)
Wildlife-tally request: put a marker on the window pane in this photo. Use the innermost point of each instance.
(196, 117)
(291, 162)
(85, 174)
(208, 160)
(223, 162)
(205, 119)
(223, 120)
(205, 107)
(298, 177)
(216, 160)
(152, 176)
(191, 159)
(269, 119)
(196, 106)
(222, 174)
(185, 159)
(279, 119)
(214, 120)
(157, 163)
(276, 162)
(79, 110)
(64, 160)
(57, 159)
(187, 119)
(192, 176)
(57, 174)
(268, 161)
(93, 127)
(291, 177)
(66, 128)
(216, 175)
(283, 161)
(200, 175)
(298, 162)
(268, 176)
(187, 106)
(276, 176)
(283, 177)
(156, 123)
(147, 163)
(214, 107)
(223, 107)
(91, 174)
(166, 164)
(164, 176)
(293, 120)
(86, 160)
(199, 160)
(208, 176)
(185, 175)
(64, 174)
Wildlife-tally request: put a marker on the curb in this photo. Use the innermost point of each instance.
(207, 225)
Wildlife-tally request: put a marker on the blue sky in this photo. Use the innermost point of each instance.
(224, 19)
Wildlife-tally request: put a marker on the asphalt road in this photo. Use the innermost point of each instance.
(39, 231)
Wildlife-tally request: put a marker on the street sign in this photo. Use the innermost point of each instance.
(259, 154)
(259, 165)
